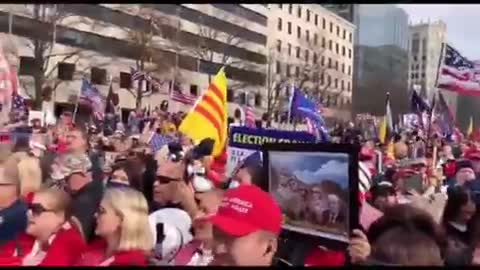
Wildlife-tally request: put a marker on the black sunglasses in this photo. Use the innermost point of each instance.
(37, 209)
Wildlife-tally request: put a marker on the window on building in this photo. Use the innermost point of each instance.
(414, 58)
(307, 34)
(331, 27)
(349, 53)
(315, 58)
(289, 26)
(344, 34)
(329, 80)
(316, 19)
(278, 68)
(342, 85)
(323, 42)
(288, 70)
(280, 6)
(298, 52)
(330, 44)
(424, 58)
(423, 75)
(299, 32)
(343, 50)
(336, 65)
(279, 45)
(349, 70)
(297, 71)
(289, 46)
(415, 46)
(349, 88)
(322, 62)
(338, 31)
(290, 8)
(299, 12)
(322, 78)
(315, 39)
(194, 90)
(337, 49)
(279, 24)
(350, 37)
(413, 76)
(324, 23)
(307, 55)
(329, 62)
(343, 68)
(258, 100)
(308, 15)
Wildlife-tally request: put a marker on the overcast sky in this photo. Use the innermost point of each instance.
(462, 24)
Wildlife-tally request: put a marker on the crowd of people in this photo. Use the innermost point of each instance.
(143, 194)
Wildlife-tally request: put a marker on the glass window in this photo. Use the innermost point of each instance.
(279, 24)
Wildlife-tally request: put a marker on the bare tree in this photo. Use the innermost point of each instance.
(206, 53)
(43, 69)
(150, 59)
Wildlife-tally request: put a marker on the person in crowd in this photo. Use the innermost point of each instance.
(464, 173)
(56, 241)
(383, 196)
(403, 236)
(123, 228)
(457, 221)
(86, 193)
(13, 212)
(250, 172)
(246, 228)
(119, 176)
(400, 147)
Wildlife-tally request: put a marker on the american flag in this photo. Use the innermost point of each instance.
(311, 127)
(158, 141)
(19, 107)
(249, 117)
(177, 95)
(90, 96)
(459, 74)
(138, 75)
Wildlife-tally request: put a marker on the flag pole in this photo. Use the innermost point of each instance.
(78, 99)
(290, 100)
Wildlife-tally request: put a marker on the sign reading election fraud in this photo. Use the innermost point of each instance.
(245, 141)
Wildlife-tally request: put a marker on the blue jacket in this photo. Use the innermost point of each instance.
(13, 221)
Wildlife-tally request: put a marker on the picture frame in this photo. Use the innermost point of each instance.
(315, 205)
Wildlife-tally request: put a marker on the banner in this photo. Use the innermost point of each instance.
(245, 141)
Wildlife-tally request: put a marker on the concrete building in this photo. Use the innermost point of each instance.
(426, 40)
(381, 59)
(186, 43)
(312, 47)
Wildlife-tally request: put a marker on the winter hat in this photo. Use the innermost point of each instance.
(462, 164)
(204, 148)
(176, 225)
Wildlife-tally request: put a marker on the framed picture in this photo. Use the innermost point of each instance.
(316, 186)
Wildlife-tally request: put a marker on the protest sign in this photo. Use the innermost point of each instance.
(246, 141)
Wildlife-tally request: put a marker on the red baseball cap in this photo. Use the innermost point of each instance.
(247, 209)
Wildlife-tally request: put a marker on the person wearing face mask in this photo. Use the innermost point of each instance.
(246, 228)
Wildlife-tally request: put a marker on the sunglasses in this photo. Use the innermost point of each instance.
(165, 179)
(37, 209)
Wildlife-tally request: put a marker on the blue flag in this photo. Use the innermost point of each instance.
(418, 104)
(306, 108)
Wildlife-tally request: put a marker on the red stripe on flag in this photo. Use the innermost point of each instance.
(201, 110)
(215, 106)
(217, 92)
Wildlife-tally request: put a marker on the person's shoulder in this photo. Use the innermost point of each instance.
(130, 258)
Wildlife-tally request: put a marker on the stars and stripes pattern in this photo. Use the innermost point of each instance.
(158, 141)
(459, 74)
(249, 117)
(176, 94)
(90, 96)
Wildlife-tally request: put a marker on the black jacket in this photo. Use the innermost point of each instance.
(85, 203)
(458, 251)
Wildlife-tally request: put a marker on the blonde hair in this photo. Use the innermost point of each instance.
(30, 175)
(132, 207)
(59, 199)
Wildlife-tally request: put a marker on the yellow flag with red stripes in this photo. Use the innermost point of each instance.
(208, 117)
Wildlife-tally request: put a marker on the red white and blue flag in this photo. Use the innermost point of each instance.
(458, 74)
(249, 117)
(90, 96)
(176, 94)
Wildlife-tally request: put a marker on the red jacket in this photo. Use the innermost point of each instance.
(95, 256)
(65, 248)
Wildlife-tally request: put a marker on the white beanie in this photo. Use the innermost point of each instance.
(176, 229)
